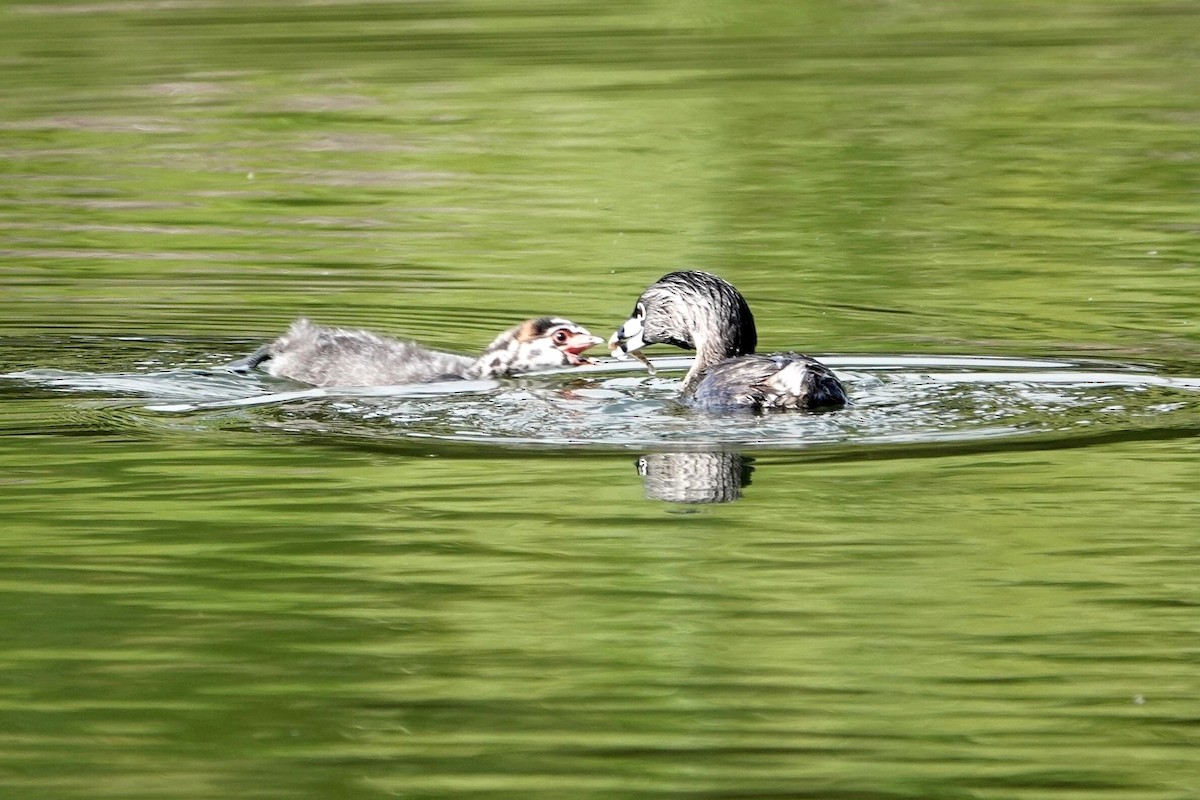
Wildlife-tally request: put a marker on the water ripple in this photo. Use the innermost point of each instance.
(895, 400)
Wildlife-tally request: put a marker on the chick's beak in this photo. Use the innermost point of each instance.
(576, 344)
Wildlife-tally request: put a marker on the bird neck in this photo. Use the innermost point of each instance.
(711, 348)
(722, 332)
(492, 364)
(500, 357)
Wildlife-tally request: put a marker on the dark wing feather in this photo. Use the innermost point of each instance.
(764, 382)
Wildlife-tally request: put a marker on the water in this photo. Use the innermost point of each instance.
(977, 581)
(899, 400)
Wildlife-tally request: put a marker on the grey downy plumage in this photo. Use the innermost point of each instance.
(324, 356)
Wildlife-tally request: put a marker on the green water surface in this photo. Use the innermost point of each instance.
(246, 604)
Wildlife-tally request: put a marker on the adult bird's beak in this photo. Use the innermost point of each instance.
(627, 342)
(626, 339)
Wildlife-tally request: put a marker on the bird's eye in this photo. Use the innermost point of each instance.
(560, 336)
(639, 310)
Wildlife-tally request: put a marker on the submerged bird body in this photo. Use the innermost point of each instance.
(779, 380)
(324, 356)
(702, 312)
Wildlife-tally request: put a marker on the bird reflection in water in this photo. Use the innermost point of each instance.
(716, 477)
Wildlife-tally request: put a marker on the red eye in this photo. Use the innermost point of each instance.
(560, 336)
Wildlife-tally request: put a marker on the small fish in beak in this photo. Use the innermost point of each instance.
(640, 356)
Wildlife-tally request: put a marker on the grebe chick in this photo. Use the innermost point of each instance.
(324, 356)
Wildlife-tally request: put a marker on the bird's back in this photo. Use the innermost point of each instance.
(344, 357)
(764, 382)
